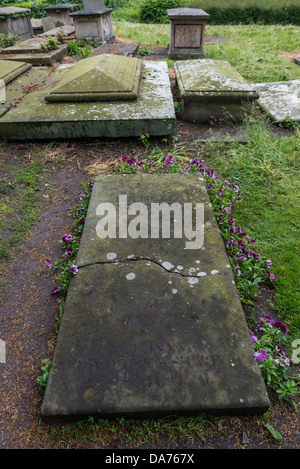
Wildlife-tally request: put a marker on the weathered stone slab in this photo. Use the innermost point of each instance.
(211, 89)
(138, 339)
(297, 60)
(280, 99)
(152, 112)
(118, 49)
(29, 46)
(15, 20)
(101, 78)
(11, 70)
(48, 23)
(37, 58)
(60, 30)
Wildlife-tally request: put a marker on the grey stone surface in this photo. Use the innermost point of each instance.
(94, 24)
(105, 77)
(60, 12)
(48, 23)
(93, 4)
(10, 70)
(16, 20)
(211, 89)
(140, 339)
(152, 113)
(297, 60)
(187, 13)
(280, 99)
(187, 26)
(65, 31)
(29, 46)
(37, 58)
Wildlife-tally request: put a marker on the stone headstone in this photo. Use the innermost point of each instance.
(48, 23)
(211, 89)
(187, 27)
(163, 331)
(61, 13)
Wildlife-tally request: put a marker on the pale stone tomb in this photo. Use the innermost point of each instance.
(211, 89)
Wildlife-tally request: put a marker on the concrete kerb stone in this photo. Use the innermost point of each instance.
(142, 335)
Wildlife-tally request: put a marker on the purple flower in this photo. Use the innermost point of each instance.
(169, 159)
(272, 276)
(253, 337)
(73, 269)
(82, 220)
(55, 290)
(48, 263)
(280, 325)
(261, 355)
(89, 292)
(67, 238)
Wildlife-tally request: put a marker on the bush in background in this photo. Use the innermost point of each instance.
(155, 11)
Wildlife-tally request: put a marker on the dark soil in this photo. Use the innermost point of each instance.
(27, 310)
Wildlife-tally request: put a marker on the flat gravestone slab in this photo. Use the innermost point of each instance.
(118, 49)
(29, 46)
(60, 30)
(47, 58)
(152, 112)
(137, 339)
(280, 100)
(11, 70)
(211, 88)
(297, 60)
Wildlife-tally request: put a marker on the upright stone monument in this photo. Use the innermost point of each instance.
(16, 21)
(94, 22)
(186, 32)
(61, 13)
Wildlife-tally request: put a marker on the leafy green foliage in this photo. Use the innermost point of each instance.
(155, 11)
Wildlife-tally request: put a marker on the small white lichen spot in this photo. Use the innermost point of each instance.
(170, 282)
(192, 280)
(174, 291)
(111, 255)
(213, 272)
(130, 276)
(167, 265)
(201, 274)
(197, 261)
(179, 267)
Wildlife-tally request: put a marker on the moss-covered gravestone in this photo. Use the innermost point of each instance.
(211, 89)
(102, 96)
(152, 323)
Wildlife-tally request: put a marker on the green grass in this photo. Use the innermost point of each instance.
(253, 50)
(267, 171)
(19, 193)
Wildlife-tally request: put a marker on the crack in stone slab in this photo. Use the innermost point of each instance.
(136, 259)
